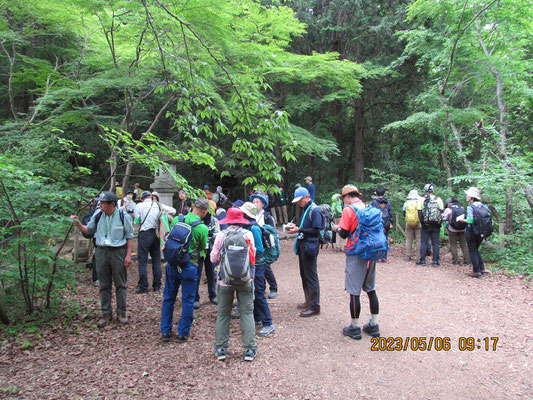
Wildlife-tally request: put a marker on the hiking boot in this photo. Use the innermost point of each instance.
(352, 331)
(249, 354)
(475, 275)
(157, 291)
(258, 323)
(141, 291)
(421, 262)
(302, 306)
(436, 263)
(236, 314)
(196, 305)
(466, 262)
(96, 283)
(165, 337)
(122, 319)
(104, 320)
(182, 339)
(456, 263)
(220, 353)
(372, 330)
(266, 330)
(408, 259)
(273, 294)
(214, 300)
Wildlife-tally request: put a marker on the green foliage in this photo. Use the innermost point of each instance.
(33, 224)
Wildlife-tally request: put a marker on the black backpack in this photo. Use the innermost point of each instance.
(86, 218)
(326, 230)
(482, 225)
(431, 212)
(456, 211)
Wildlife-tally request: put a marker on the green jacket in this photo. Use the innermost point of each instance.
(199, 237)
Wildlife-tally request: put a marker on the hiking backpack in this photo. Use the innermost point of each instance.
(386, 215)
(457, 210)
(270, 244)
(371, 240)
(326, 230)
(431, 212)
(87, 217)
(176, 250)
(235, 258)
(482, 225)
(411, 213)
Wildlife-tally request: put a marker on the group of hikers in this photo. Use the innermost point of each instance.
(237, 242)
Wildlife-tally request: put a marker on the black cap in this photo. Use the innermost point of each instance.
(107, 196)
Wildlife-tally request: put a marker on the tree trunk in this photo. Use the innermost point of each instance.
(359, 165)
(445, 160)
(509, 211)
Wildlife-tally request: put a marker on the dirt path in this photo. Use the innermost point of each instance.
(306, 358)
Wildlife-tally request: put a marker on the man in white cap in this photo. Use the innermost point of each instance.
(306, 248)
(479, 227)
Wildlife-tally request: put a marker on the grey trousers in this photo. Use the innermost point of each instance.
(453, 237)
(110, 268)
(245, 295)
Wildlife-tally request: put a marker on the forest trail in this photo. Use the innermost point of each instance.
(305, 358)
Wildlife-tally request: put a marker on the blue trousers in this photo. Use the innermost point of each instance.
(270, 278)
(261, 308)
(187, 278)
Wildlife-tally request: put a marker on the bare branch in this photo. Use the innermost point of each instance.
(459, 35)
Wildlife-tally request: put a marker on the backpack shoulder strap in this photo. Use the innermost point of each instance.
(195, 223)
(97, 219)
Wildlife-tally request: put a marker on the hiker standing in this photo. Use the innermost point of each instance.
(227, 289)
(360, 274)
(479, 227)
(127, 204)
(385, 207)
(118, 190)
(412, 224)
(456, 229)
(147, 215)
(184, 204)
(311, 188)
(213, 226)
(306, 247)
(207, 192)
(261, 308)
(186, 276)
(430, 210)
(263, 217)
(138, 192)
(113, 232)
(281, 206)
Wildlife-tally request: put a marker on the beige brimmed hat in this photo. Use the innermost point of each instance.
(413, 194)
(249, 209)
(474, 192)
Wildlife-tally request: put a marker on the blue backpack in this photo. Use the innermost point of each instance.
(270, 244)
(372, 243)
(176, 251)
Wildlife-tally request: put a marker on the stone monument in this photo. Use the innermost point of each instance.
(165, 184)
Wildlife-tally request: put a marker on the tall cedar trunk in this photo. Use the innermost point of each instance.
(337, 133)
(359, 162)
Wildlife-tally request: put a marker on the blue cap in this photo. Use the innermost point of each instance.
(237, 203)
(299, 193)
(262, 197)
(206, 187)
